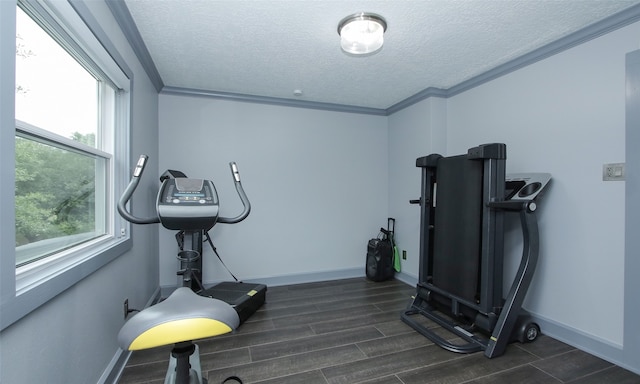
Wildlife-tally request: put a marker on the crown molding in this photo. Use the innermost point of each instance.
(122, 15)
(168, 90)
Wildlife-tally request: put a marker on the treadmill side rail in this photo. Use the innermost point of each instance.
(502, 334)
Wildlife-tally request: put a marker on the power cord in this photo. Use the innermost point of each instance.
(219, 258)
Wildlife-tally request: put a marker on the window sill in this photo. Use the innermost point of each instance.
(40, 271)
(32, 296)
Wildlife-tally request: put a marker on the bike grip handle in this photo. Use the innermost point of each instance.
(142, 161)
(234, 171)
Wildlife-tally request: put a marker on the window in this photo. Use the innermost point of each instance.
(70, 156)
(65, 111)
(58, 172)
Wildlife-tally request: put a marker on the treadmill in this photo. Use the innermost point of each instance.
(460, 285)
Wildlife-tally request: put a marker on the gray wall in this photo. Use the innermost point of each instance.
(317, 181)
(413, 132)
(72, 338)
(564, 115)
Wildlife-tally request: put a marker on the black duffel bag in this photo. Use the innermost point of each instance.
(379, 266)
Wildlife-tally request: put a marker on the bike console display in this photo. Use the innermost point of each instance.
(187, 204)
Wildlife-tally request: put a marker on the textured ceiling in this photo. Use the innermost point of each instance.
(273, 47)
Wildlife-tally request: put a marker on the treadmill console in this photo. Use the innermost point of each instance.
(525, 186)
(187, 204)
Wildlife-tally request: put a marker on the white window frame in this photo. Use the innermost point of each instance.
(26, 288)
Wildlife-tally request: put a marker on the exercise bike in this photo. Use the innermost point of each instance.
(190, 206)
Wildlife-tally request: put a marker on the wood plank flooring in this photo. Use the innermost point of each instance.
(349, 331)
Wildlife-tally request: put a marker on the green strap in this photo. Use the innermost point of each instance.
(396, 259)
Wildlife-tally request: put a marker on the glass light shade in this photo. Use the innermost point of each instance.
(362, 33)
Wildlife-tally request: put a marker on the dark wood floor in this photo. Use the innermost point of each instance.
(349, 331)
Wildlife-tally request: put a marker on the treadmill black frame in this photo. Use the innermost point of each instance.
(487, 312)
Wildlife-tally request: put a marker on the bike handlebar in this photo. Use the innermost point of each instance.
(243, 197)
(135, 179)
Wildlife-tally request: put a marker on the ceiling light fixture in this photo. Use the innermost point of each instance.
(362, 33)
